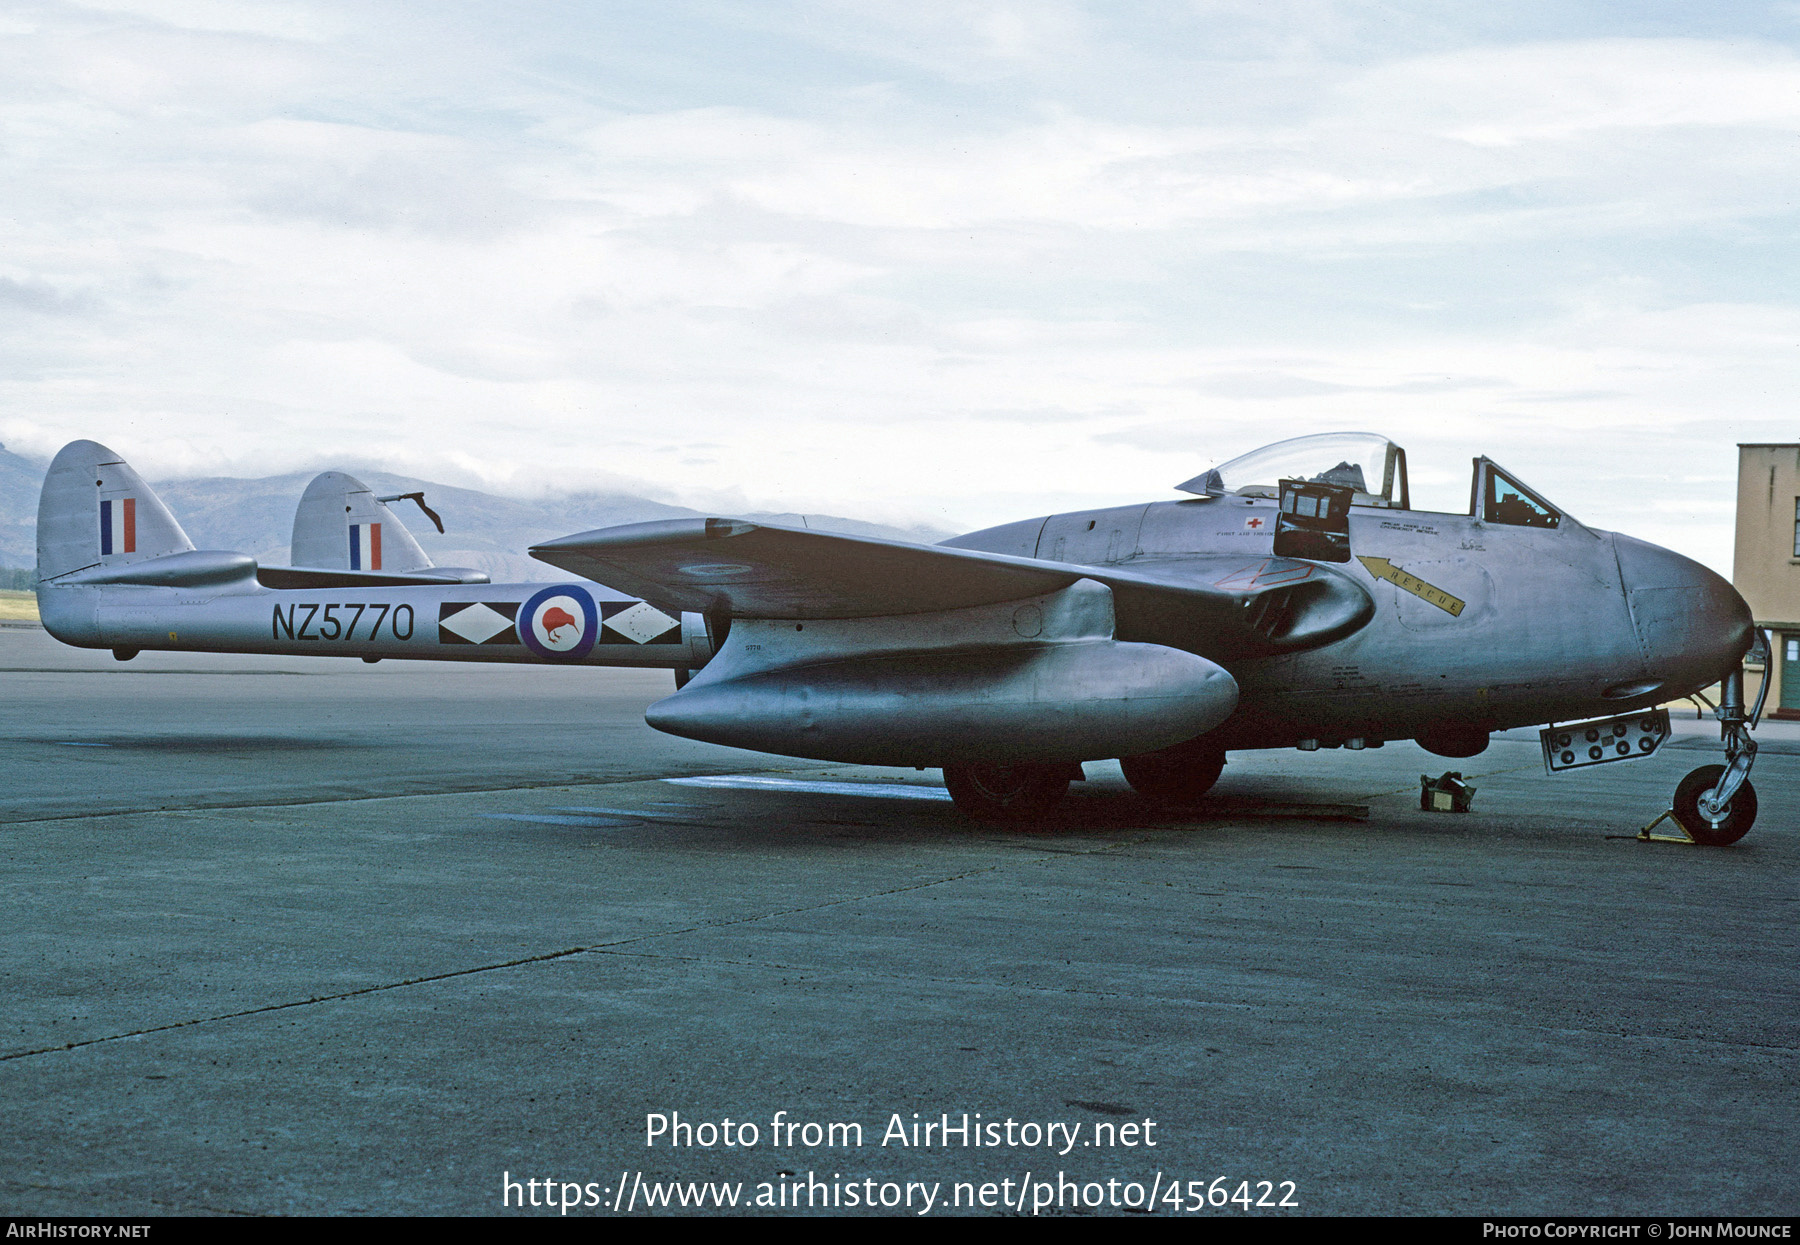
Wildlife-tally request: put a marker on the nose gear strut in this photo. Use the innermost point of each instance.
(1716, 804)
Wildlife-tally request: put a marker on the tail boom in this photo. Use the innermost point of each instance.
(519, 623)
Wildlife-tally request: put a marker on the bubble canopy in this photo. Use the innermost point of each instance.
(1365, 461)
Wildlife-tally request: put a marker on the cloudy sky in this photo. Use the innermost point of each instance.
(956, 262)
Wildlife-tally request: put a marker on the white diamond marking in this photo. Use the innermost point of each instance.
(478, 624)
(641, 623)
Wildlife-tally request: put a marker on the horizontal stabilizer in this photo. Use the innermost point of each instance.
(196, 568)
(206, 568)
(319, 577)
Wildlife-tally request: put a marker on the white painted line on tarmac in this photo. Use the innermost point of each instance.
(607, 812)
(551, 819)
(880, 790)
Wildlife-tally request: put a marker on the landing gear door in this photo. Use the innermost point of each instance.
(1314, 522)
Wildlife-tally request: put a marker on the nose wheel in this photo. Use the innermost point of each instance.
(1721, 825)
(1716, 804)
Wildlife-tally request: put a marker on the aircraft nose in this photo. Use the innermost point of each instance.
(1691, 623)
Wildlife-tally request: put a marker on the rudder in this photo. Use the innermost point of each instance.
(341, 525)
(94, 510)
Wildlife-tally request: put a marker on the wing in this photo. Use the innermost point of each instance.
(754, 570)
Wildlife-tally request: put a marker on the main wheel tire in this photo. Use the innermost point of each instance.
(1182, 774)
(1006, 792)
(1454, 739)
(1740, 814)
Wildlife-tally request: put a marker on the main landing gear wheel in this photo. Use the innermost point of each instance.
(1182, 774)
(1739, 815)
(1006, 792)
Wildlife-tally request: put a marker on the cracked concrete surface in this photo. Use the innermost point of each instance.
(364, 940)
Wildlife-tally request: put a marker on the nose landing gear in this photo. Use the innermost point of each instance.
(1716, 804)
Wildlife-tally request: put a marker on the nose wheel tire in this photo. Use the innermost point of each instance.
(1182, 774)
(1006, 792)
(1740, 814)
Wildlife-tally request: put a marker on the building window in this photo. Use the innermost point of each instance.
(1792, 654)
(1797, 527)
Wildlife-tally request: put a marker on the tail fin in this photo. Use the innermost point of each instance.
(342, 526)
(96, 511)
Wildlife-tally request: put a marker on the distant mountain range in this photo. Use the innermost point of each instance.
(20, 479)
(481, 530)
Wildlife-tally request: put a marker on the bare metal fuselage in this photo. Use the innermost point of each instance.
(1547, 624)
(1475, 626)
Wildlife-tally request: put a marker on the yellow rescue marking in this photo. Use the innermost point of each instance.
(1381, 568)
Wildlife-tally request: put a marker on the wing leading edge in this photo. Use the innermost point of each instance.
(754, 570)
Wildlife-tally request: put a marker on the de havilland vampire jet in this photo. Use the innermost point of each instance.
(1295, 600)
